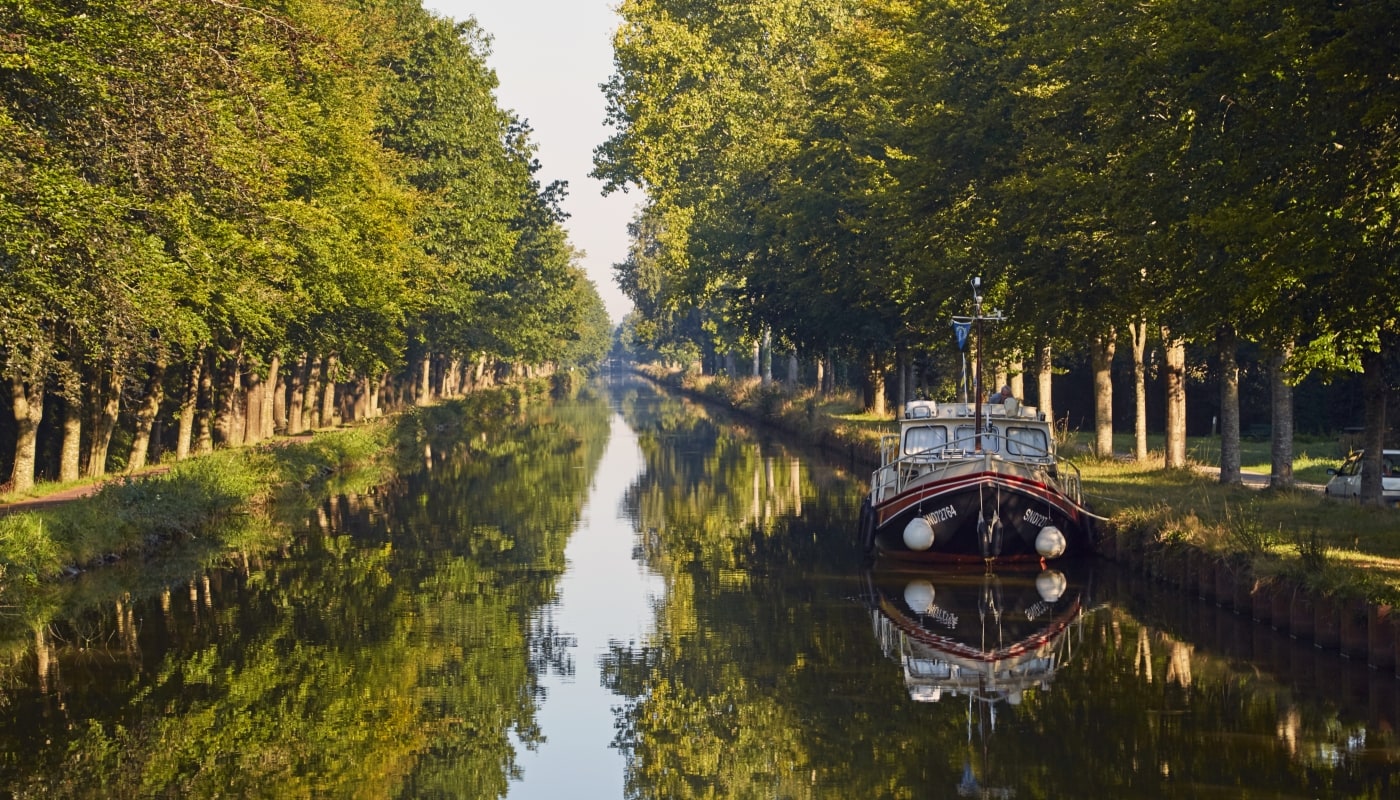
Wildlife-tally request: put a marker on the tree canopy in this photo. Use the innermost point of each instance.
(195, 188)
(837, 171)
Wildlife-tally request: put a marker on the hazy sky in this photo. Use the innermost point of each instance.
(550, 57)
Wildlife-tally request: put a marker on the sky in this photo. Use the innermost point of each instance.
(550, 57)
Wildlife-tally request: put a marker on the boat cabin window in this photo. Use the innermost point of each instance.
(1030, 442)
(925, 439)
(967, 438)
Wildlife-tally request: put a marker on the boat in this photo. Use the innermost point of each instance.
(975, 481)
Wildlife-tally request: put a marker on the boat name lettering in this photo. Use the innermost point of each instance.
(1036, 518)
(942, 514)
(944, 617)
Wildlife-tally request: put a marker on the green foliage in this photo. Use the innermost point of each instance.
(329, 177)
(28, 552)
(1183, 165)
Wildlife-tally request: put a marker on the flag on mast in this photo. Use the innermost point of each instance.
(962, 329)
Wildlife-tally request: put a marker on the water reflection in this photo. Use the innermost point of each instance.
(429, 638)
(986, 636)
(387, 646)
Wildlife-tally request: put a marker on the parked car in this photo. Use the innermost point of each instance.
(1346, 479)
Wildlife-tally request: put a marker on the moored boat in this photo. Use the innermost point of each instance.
(961, 483)
(978, 481)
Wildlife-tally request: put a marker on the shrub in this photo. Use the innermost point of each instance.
(28, 552)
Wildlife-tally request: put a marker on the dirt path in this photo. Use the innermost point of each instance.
(1255, 480)
(79, 492)
(75, 492)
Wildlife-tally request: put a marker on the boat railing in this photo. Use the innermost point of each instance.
(897, 472)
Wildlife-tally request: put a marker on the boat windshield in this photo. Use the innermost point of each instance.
(967, 437)
(1027, 442)
(925, 439)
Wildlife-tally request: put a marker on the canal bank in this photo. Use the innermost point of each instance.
(211, 502)
(1294, 579)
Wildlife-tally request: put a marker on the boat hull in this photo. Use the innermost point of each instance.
(983, 515)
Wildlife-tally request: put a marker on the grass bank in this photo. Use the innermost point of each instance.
(195, 498)
(220, 499)
(1330, 547)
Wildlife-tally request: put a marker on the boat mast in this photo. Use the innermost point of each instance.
(976, 321)
(977, 368)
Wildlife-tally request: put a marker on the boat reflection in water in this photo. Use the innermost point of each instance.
(989, 637)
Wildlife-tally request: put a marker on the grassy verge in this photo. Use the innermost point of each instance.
(195, 498)
(1333, 547)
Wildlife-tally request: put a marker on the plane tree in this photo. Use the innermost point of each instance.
(705, 101)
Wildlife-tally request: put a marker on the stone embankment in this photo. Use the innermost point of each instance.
(1353, 628)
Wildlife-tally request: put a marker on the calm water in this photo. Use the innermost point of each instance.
(626, 595)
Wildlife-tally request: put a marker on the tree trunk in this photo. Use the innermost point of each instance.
(449, 379)
(254, 391)
(106, 405)
(767, 355)
(1175, 351)
(1101, 349)
(270, 393)
(189, 408)
(278, 401)
(821, 375)
(874, 386)
(1230, 455)
(480, 375)
(146, 415)
(1017, 378)
(315, 388)
(1044, 375)
(1281, 439)
(328, 391)
(794, 370)
(422, 395)
(296, 395)
(361, 408)
(70, 458)
(205, 430)
(27, 401)
(1373, 384)
(375, 390)
(1138, 331)
(227, 427)
(901, 389)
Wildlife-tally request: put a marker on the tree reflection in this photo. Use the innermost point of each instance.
(392, 647)
(762, 678)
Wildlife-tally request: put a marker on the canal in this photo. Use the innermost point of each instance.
(627, 595)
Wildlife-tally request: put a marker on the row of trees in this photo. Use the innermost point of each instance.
(235, 218)
(831, 173)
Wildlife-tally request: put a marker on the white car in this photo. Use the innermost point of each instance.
(1346, 479)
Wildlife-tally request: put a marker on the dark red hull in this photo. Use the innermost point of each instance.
(979, 516)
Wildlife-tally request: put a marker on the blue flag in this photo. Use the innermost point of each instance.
(962, 328)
